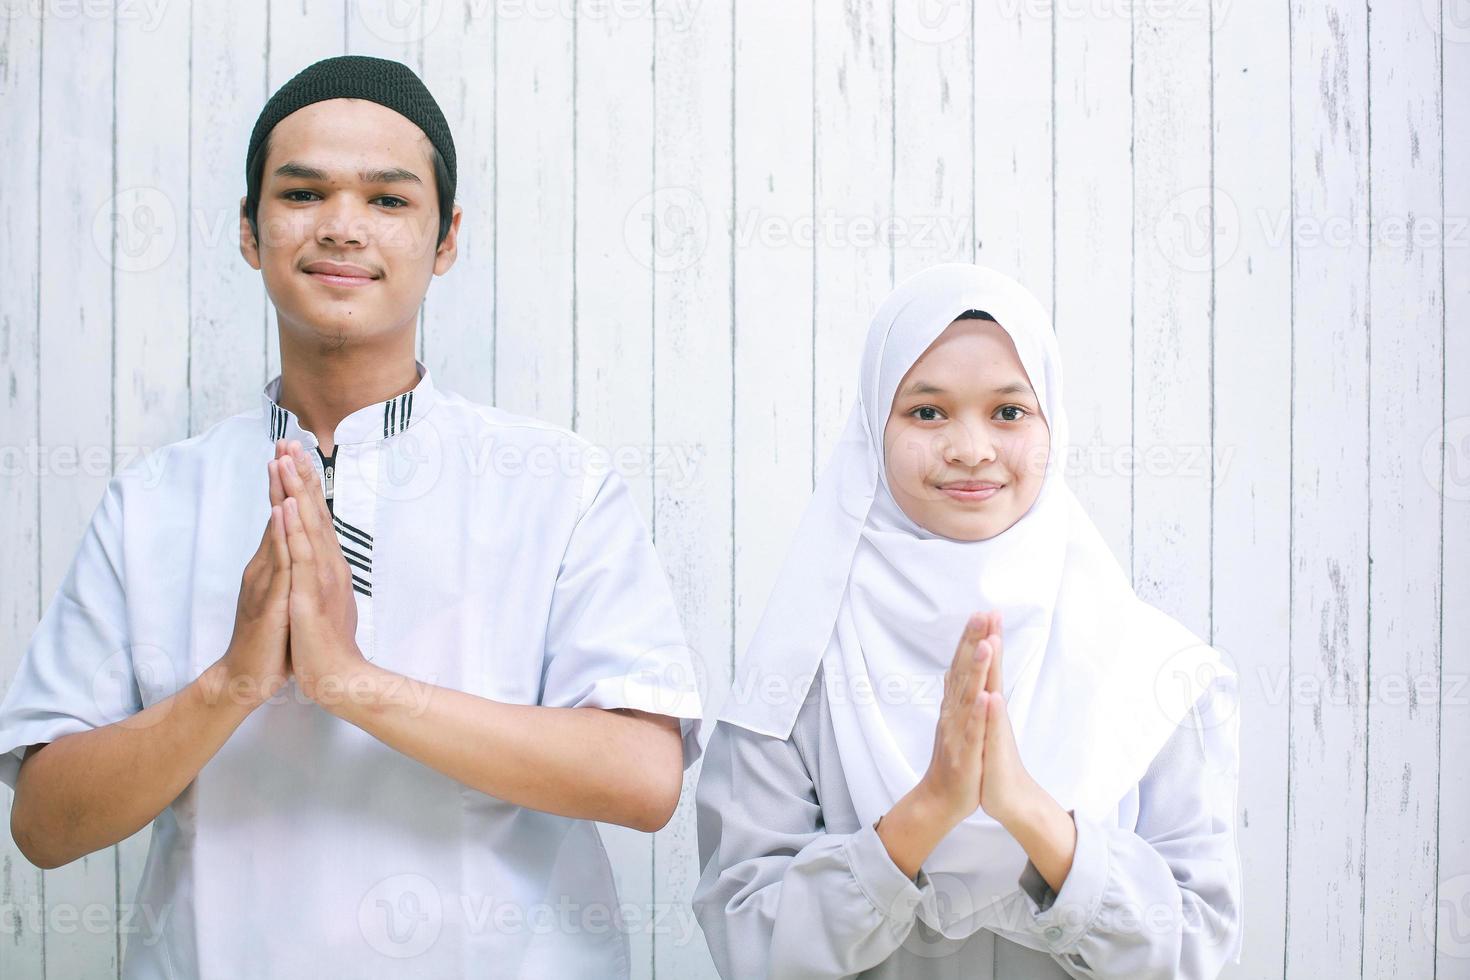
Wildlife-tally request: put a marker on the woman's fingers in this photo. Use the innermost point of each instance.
(964, 652)
(995, 676)
(957, 676)
(974, 683)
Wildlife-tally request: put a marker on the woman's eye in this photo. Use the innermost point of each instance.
(1013, 408)
(926, 413)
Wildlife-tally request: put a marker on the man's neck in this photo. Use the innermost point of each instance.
(321, 388)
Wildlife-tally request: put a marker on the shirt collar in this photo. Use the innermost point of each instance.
(371, 423)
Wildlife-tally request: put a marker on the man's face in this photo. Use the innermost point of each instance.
(348, 221)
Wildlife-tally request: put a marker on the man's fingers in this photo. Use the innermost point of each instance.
(315, 498)
(296, 488)
(277, 488)
(297, 541)
(280, 551)
(305, 469)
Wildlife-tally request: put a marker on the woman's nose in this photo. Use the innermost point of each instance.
(969, 444)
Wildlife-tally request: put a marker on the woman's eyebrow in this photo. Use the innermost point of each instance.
(391, 175)
(926, 388)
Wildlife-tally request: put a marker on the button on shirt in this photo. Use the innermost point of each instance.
(490, 553)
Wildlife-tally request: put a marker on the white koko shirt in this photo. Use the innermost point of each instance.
(491, 554)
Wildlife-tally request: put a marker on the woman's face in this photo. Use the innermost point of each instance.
(966, 444)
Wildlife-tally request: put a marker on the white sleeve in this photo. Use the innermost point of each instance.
(613, 639)
(1164, 900)
(780, 895)
(77, 672)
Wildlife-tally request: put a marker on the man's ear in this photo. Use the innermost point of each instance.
(448, 249)
(249, 247)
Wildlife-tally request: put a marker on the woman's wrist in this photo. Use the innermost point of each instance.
(914, 827)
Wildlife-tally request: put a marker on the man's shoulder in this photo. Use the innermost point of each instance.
(543, 457)
(491, 420)
(152, 466)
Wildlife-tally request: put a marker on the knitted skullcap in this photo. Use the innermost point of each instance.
(352, 76)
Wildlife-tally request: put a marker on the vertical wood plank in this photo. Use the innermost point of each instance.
(689, 216)
(1251, 553)
(150, 260)
(853, 189)
(533, 215)
(1403, 575)
(76, 355)
(1092, 310)
(22, 129)
(227, 343)
(1451, 925)
(1330, 481)
(775, 232)
(613, 309)
(459, 311)
(1013, 143)
(1173, 330)
(933, 135)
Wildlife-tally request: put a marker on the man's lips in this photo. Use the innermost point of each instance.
(339, 274)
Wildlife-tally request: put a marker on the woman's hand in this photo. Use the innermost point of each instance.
(950, 789)
(1007, 790)
(953, 780)
(1008, 794)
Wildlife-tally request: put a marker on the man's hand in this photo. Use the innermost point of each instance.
(323, 611)
(256, 664)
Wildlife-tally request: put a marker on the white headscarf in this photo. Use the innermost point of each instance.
(1095, 680)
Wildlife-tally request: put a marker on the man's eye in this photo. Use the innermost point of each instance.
(289, 195)
(398, 202)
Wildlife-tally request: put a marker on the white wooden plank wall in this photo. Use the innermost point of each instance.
(1250, 221)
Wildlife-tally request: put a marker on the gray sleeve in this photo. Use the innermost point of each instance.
(1162, 900)
(779, 896)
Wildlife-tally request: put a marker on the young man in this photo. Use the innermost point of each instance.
(377, 752)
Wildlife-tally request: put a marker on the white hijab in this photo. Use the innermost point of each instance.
(1095, 680)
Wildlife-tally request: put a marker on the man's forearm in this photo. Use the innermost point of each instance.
(588, 763)
(92, 789)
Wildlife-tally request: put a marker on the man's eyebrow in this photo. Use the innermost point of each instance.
(391, 175)
(926, 388)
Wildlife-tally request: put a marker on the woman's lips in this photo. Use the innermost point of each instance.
(335, 280)
(972, 496)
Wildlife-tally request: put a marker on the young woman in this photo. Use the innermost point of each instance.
(1060, 801)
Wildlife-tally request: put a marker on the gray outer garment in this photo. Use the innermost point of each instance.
(795, 885)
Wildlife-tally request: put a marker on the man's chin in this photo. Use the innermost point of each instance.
(333, 329)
